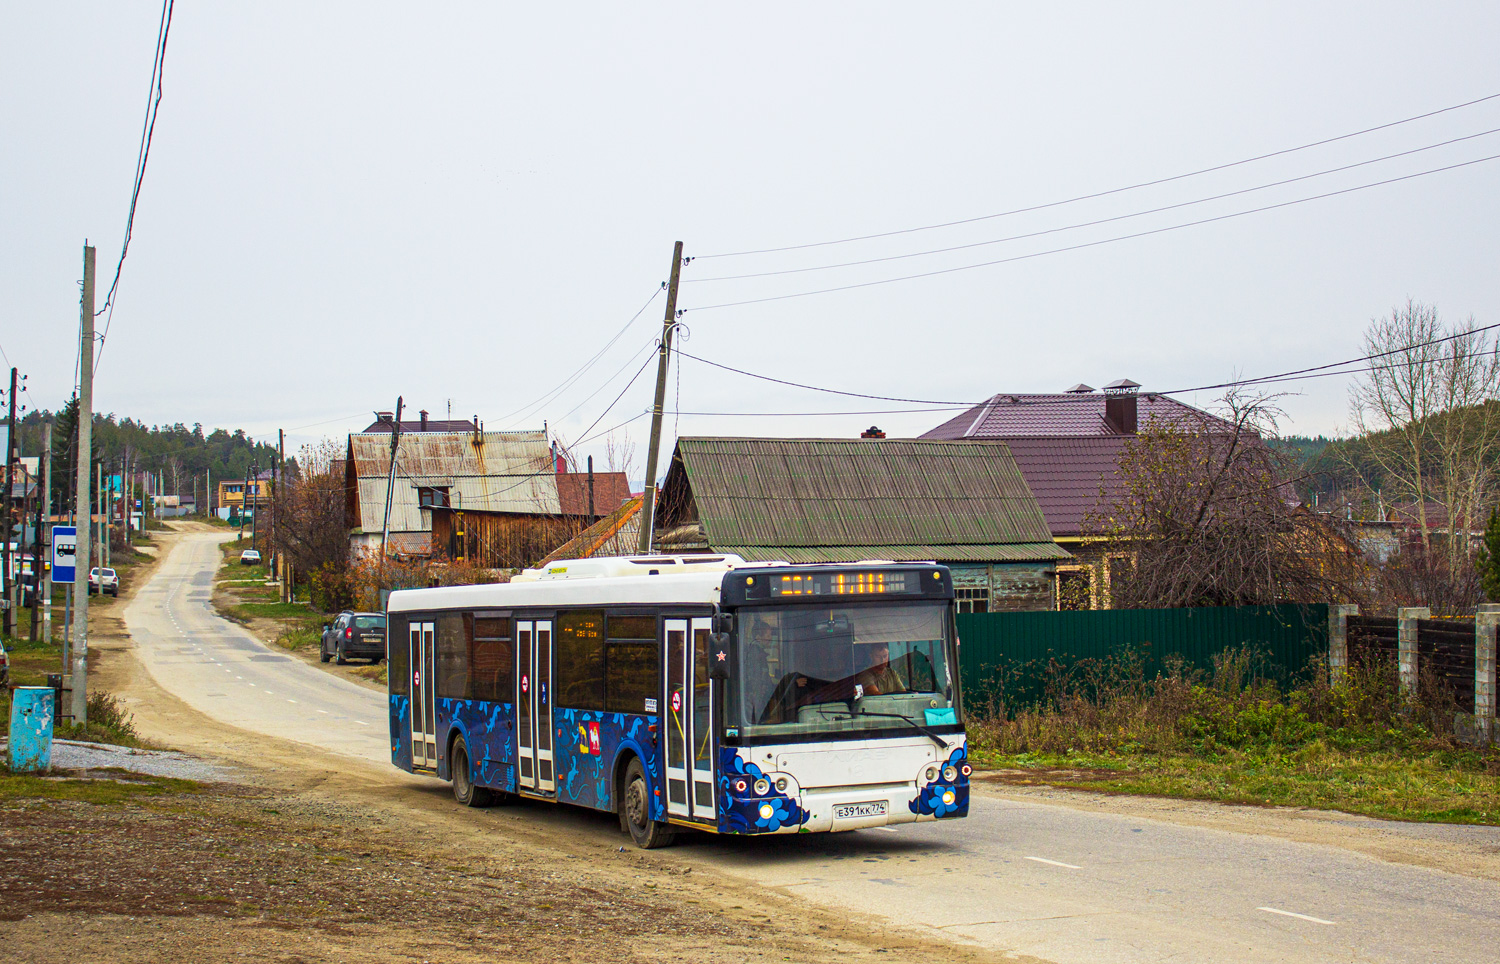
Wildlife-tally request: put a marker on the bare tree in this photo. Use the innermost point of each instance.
(1425, 406)
(1208, 511)
(310, 518)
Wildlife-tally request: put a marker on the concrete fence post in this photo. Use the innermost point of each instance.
(1338, 638)
(1486, 622)
(1406, 644)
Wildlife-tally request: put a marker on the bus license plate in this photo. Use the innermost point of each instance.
(846, 811)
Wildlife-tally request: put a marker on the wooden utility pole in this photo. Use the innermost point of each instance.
(663, 357)
(83, 494)
(10, 558)
(390, 484)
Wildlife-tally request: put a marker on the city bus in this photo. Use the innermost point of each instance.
(689, 691)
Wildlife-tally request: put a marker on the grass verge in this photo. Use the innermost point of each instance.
(117, 787)
(1359, 746)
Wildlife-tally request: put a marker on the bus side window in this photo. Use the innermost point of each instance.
(398, 655)
(580, 661)
(452, 656)
(491, 660)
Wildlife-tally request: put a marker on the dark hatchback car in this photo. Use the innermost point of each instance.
(354, 636)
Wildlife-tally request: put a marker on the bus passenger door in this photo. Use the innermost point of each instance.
(534, 706)
(702, 728)
(689, 712)
(423, 702)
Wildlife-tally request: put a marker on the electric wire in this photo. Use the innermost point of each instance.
(1094, 223)
(1316, 371)
(1093, 244)
(652, 345)
(148, 128)
(530, 407)
(1112, 191)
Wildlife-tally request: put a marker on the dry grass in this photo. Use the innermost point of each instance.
(1234, 735)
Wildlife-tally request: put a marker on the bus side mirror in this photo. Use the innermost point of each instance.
(719, 657)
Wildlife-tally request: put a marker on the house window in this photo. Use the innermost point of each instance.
(972, 599)
(430, 496)
(1075, 588)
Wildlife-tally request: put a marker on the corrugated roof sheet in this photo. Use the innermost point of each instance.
(1005, 415)
(1069, 475)
(507, 472)
(1009, 552)
(860, 495)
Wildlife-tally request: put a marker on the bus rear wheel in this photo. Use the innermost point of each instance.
(464, 790)
(635, 811)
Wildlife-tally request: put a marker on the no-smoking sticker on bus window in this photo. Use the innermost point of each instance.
(677, 701)
(525, 684)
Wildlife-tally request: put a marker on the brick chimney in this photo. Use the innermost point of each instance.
(872, 432)
(385, 417)
(1120, 406)
(423, 413)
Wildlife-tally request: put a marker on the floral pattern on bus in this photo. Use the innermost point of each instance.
(587, 748)
(945, 798)
(747, 813)
(401, 731)
(486, 727)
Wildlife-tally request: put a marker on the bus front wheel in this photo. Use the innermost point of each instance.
(464, 790)
(635, 811)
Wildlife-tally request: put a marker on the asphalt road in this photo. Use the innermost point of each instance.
(1057, 882)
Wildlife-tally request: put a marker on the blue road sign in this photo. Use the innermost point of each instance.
(64, 554)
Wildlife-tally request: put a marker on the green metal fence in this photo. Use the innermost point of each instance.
(1016, 648)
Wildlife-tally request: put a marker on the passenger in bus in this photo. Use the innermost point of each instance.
(881, 677)
(760, 672)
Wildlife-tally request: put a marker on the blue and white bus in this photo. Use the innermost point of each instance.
(689, 691)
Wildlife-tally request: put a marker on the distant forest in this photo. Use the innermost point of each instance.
(183, 457)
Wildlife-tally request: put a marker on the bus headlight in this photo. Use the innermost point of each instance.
(931, 774)
(766, 810)
(781, 784)
(950, 773)
(762, 787)
(740, 785)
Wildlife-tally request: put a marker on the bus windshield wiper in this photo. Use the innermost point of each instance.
(942, 744)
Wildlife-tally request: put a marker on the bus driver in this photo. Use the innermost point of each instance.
(881, 677)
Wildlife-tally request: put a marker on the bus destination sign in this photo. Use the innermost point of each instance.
(859, 583)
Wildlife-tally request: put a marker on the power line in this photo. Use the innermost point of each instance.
(530, 407)
(1093, 244)
(1099, 194)
(153, 104)
(1317, 371)
(816, 388)
(1094, 223)
(651, 345)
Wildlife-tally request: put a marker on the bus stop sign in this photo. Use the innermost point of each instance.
(64, 553)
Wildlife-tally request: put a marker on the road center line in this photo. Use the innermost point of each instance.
(1057, 863)
(1287, 913)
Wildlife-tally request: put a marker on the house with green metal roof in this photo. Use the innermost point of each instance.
(963, 504)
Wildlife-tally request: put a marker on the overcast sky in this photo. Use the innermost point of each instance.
(350, 201)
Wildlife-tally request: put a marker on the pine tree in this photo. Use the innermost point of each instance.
(1489, 559)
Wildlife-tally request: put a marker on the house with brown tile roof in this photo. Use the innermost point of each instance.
(1067, 447)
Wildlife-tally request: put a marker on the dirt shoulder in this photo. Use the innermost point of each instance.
(309, 857)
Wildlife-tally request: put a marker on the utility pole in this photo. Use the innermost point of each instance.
(390, 484)
(244, 495)
(10, 461)
(592, 518)
(44, 574)
(255, 518)
(663, 357)
(84, 490)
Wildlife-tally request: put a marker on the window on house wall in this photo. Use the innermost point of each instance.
(1075, 588)
(972, 599)
(432, 495)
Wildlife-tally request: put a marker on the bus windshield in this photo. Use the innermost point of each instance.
(843, 669)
